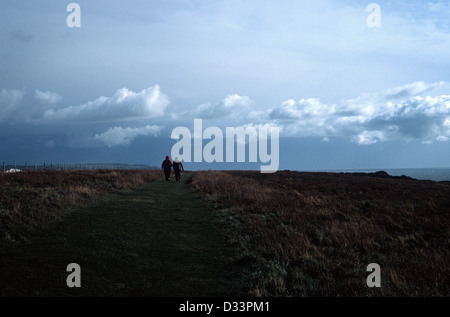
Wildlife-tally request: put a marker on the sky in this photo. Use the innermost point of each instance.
(343, 95)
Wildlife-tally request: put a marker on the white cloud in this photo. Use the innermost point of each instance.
(234, 106)
(369, 137)
(47, 96)
(304, 108)
(206, 110)
(124, 136)
(236, 101)
(123, 105)
(413, 89)
(404, 112)
(417, 111)
(407, 112)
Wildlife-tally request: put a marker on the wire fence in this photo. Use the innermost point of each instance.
(9, 167)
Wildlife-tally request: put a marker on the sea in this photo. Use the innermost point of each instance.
(433, 174)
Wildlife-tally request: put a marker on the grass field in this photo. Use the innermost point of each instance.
(232, 233)
(30, 200)
(156, 240)
(313, 234)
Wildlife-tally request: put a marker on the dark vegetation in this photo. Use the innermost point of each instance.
(313, 234)
(156, 240)
(31, 200)
(290, 233)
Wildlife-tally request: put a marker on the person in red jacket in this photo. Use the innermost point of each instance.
(166, 166)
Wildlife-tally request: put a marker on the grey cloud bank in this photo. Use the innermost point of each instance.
(123, 105)
(48, 96)
(314, 69)
(124, 136)
(399, 113)
(407, 112)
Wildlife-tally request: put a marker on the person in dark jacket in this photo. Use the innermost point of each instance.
(178, 167)
(166, 166)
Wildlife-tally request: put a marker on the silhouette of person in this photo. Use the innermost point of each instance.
(178, 167)
(166, 166)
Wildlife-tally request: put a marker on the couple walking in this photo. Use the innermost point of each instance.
(177, 167)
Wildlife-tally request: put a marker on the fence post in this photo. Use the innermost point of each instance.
(26, 166)
(4, 167)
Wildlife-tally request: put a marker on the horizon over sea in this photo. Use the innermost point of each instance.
(433, 174)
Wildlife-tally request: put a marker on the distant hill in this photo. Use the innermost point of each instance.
(78, 166)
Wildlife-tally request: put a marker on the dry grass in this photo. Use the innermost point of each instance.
(33, 199)
(313, 234)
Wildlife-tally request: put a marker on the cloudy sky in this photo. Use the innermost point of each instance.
(343, 94)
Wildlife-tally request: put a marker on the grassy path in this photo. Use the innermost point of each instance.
(158, 240)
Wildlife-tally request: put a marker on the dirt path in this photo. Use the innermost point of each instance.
(159, 240)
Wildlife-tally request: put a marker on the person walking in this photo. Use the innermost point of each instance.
(178, 167)
(166, 166)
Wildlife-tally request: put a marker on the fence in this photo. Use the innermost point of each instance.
(14, 167)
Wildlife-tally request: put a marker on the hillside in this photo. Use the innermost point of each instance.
(314, 234)
(233, 233)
